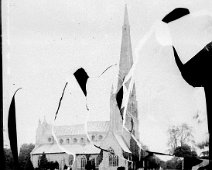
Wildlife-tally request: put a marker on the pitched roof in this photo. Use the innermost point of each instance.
(93, 126)
(121, 142)
(77, 149)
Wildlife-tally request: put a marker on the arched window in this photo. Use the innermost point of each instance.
(93, 137)
(75, 140)
(61, 141)
(71, 158)
(113, 159)
(67, 141)
(110, 160)
(83, 161)
(49, 139)
(116, 160)
(100, 137)
(82, 140)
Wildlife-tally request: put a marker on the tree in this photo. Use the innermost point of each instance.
(185, 134)
(56, 165)
(179, 136)
(173, 133)
(24, 155)
(184, 151)
(174, 163)
(43, 162)
(8, 159)
(190, 157)
(154, 162)
(52, 165)
(28, 165)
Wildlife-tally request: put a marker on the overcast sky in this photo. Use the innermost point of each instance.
(45, 41)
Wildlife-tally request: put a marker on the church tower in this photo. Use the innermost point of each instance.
(125, 64)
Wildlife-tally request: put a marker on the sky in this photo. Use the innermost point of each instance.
(45, 41)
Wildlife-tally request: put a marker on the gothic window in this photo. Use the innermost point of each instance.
(67, 141)
(93, 137)
(110, 160)
(113, 159)
(71, 158)
(49, 139)
(61, 141)
(83, 161)
(82, 140)
(100, 137)
(75, 140)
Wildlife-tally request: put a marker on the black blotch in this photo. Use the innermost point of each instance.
(82, 77)
(119, 97)
(61, 98)
(197, 72)
(189, 162)
(12, 132)
(175, 14)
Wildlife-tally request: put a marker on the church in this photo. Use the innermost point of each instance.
(116, 146)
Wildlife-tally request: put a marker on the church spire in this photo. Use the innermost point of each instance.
(125, 64)
(126, 58)
(126, 20)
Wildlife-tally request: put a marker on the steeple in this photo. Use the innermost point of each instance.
(126, 20)
(126, 58)
(125, 64)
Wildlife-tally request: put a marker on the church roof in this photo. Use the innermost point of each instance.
(77, 149)
(93, 126)
(121, 142)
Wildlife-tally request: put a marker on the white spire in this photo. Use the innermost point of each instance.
(126, 20)
(126, 58)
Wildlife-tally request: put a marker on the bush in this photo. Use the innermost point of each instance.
(24, 155)
(174, 163)
(28, 165)
(43, 162)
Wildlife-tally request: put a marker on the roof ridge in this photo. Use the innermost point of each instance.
(81, 124)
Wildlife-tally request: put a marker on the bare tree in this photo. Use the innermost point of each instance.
(185, 134)
(179, 136)
(173, 133)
